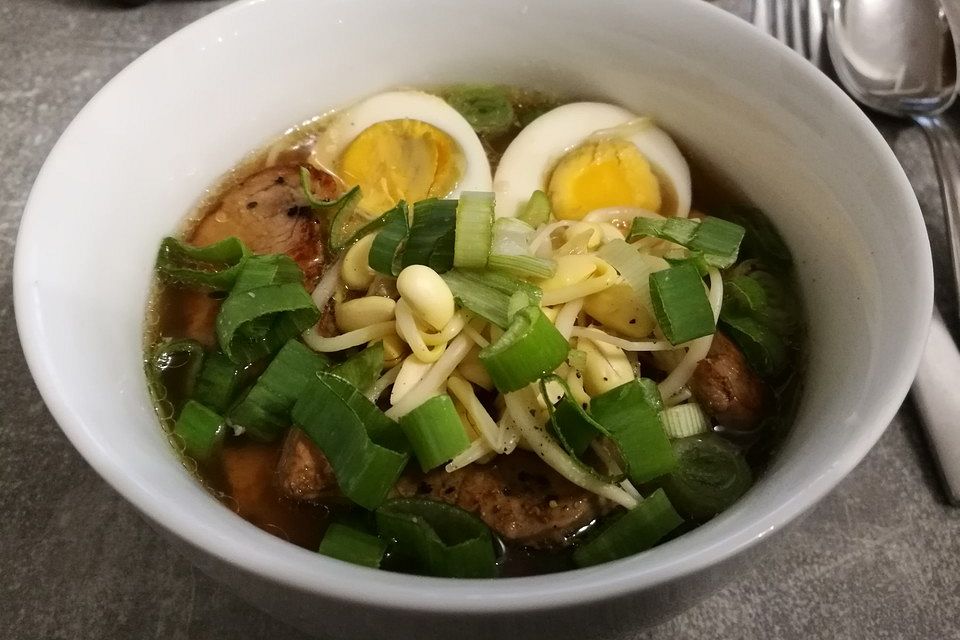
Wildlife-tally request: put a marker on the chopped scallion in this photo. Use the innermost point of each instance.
(218, 383)
(680, 303)
(200, 429)
(633, 532)
(490, 294)
(488, 109)
(362, 369)
(267, 306)
(630, 414)
(537, 211)
(347, 543)
(215, 266)
(265, 409)
(366, 449)
(431, 238)
(435, 432)
(474, 229)
(715, 241)
(530, 348)
(439, 539)
(710, 475)
(388, 245)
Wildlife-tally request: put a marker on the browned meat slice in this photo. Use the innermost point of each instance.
(726, 386)
(517, 495)
(269, 213)
(303, 472)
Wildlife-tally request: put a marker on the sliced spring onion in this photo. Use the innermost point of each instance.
(218, 383)
(474, 230)
(439, 539)
(488, 109)
(524, 266)
(264, 412)
(266, 307)
(265, 270)
(761, 239)
(510, 250)
(710, 475)
(365, 448)
(630, 414)
(215, 266)
(489, 294)
(200, 429)
(573, 428)
(430, 241)
(176, 356)
(681, 304)
(435, 432)
(256, 323)
(388, 245)
(684, 420)
(537, 211)
(350, 544)
(717, 241)
(633, 532)
(530, 348)
(362, 369)
(347, 223)
(764, 349)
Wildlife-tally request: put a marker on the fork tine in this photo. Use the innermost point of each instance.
(762, 16)
(780, 22)
(814, 31)
(797, 27)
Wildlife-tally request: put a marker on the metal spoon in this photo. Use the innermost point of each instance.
(898, 57)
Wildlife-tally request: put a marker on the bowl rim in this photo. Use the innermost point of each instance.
(340, 581)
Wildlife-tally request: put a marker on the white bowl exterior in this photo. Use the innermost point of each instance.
(137, 157)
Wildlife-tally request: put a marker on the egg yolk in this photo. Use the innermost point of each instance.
(602, 173)
(398, 160)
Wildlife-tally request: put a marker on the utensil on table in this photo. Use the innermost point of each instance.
(898, 57)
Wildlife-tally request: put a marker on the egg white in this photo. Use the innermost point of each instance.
(415, 105)
(527, 162)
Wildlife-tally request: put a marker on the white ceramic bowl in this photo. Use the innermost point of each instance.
(141, 153)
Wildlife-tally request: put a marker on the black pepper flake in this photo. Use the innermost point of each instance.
(633, 321)
(280, 180)
(606, 379)
(533, 413)
(579, 375)
(252, 204)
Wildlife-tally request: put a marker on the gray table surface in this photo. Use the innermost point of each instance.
(878, 558)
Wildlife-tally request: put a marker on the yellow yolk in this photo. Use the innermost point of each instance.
(398, 160)
(602, 173)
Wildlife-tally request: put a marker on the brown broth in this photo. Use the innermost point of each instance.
(243, 475)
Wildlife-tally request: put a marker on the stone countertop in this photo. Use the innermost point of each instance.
(878, 558)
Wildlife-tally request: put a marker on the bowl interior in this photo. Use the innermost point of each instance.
(143, 151)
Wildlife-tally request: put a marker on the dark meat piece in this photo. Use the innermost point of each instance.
(728, 388)
(517, 495)
(270, 214)
(303, 472)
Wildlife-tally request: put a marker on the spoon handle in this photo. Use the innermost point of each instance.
(946, 157)
(937, 401)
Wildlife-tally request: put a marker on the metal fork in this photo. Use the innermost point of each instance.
(796, 23)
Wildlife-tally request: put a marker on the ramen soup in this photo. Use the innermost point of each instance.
(475, 332)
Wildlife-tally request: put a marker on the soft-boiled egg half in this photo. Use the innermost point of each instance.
(591, 155)
(403, 145)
